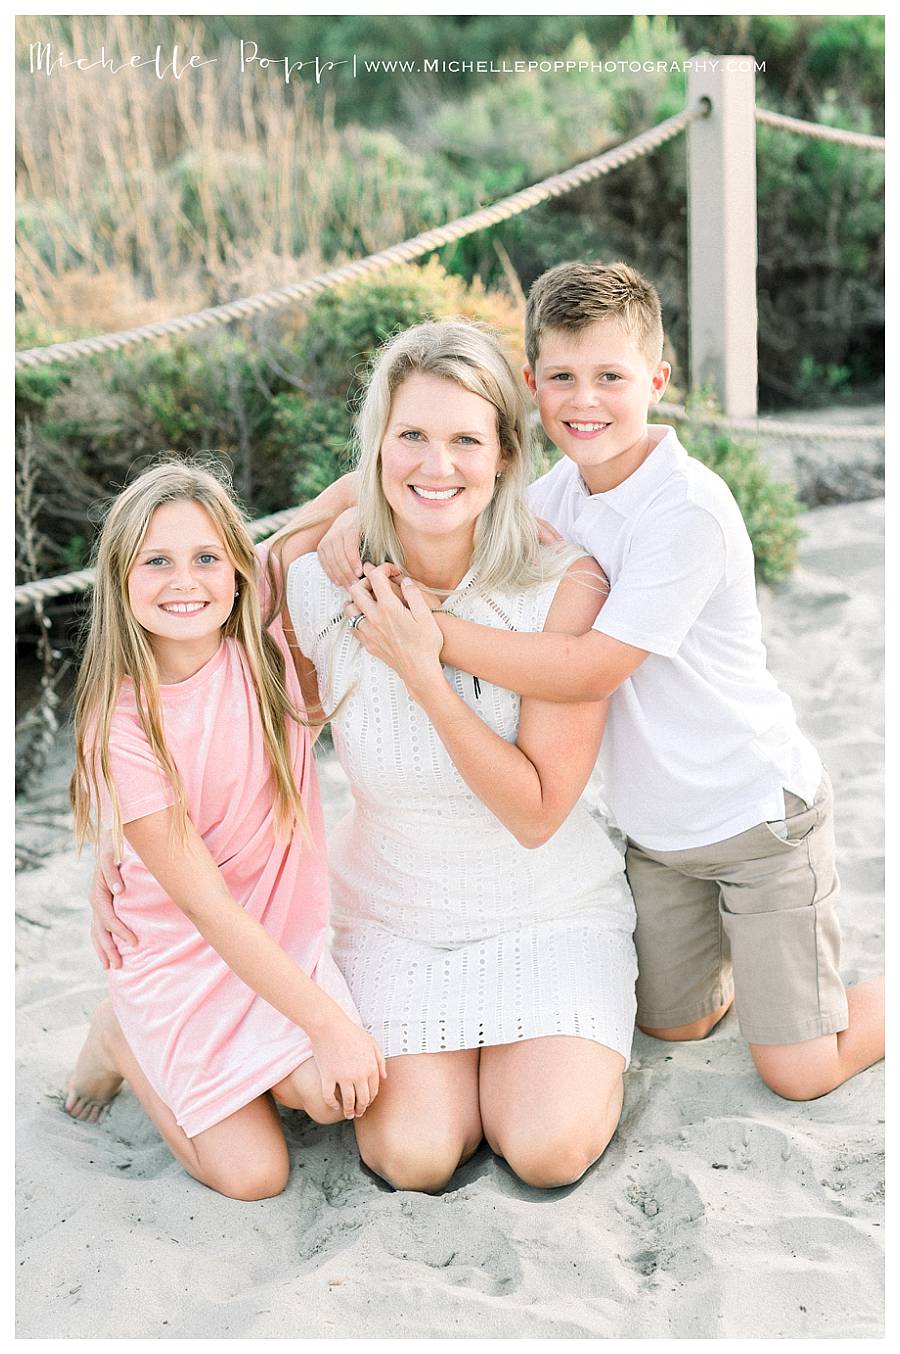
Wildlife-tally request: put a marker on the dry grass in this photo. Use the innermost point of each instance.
(139, 197)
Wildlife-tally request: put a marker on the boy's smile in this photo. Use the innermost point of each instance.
(593, 389)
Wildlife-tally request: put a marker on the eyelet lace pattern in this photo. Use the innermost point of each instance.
(450, 934)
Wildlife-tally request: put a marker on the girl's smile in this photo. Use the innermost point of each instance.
(182, 588)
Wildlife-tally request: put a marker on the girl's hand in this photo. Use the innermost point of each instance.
(339, 550)
(107, 931)
(350, 1064)
(406, 637)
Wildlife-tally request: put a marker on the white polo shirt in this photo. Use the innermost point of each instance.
(700, 743)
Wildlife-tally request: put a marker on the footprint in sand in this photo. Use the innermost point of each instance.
(664, 1207)
(480, 1258)
(738, 1144)
(419, 1232)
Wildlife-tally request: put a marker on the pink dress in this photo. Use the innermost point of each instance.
(206, 1042)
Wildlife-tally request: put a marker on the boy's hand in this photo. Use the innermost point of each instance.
(547, 534)
(395, 577)
(339, 550)
(106, 928)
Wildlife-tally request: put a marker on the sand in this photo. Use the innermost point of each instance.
(717, 1211)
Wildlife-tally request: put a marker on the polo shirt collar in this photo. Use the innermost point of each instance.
(633, 493)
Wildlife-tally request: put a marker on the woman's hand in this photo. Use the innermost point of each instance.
(107, 931)
(339, 550)
(403, 634)
(350, 1064)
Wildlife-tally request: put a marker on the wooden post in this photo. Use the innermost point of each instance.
(722, 232)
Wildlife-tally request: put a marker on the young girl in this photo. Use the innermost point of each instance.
(189, 744)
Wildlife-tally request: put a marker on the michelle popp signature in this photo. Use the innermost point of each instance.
(175, 61)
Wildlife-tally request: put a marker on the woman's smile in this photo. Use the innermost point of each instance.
(440, 456)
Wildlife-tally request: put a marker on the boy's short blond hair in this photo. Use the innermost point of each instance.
(573, 295)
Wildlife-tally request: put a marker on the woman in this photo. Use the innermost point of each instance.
(482, 919)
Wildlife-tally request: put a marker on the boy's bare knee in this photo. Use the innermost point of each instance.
(798, 1071)
(697, 1029)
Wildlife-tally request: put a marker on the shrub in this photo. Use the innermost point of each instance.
(276, 399)
(344, 329)
(769, 507)
(311, 439)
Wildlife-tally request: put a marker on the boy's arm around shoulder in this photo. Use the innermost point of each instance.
(304, 532)
(675, 563)
(550, 666)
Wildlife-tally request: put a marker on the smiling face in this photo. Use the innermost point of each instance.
(593, 389)
(439, 459)
(181, 587)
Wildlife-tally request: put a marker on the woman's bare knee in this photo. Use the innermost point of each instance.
(555, 1150)
(426, 1167)
(550, 1165)
(313, 1105)
(302, 1090)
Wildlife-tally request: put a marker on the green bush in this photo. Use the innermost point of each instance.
(312, 440)
(769, 507)
(344, 329)
(277, 403)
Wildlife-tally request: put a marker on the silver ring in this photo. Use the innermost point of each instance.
(357, 619)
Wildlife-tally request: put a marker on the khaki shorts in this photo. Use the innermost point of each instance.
(754, 916)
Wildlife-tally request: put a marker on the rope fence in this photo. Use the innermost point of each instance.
(64, 585)
(34, 594)
(404, 252)
(775, 427)
(426, 242)
(819, 132)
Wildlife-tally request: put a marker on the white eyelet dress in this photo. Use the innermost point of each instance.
(449, 933)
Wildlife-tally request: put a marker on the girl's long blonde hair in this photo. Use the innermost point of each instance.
(118, 647)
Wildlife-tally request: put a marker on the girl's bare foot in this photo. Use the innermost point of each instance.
(95, 1082)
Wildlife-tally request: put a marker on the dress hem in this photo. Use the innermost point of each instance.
(418, 1039)
(198, 1122)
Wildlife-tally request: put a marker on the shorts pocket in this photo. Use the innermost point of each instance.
(792, 830)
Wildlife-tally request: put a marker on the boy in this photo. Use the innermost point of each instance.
(725, 804)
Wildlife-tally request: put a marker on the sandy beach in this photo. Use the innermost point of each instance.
(717, 1211)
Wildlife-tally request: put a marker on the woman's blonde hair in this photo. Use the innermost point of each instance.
(507, 553)
(117, 646)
